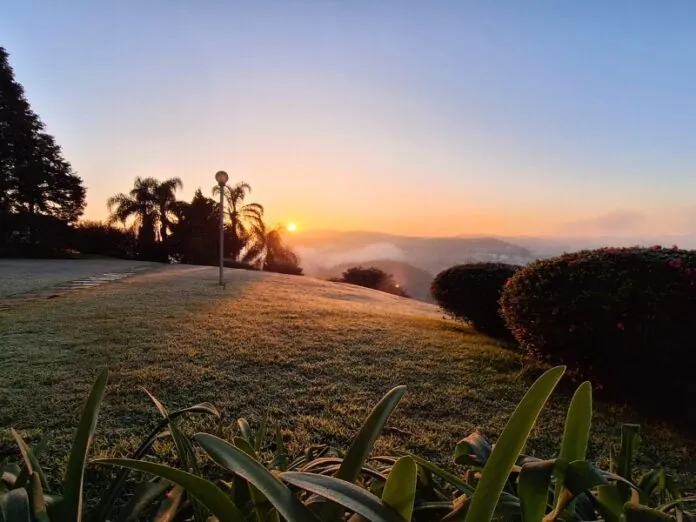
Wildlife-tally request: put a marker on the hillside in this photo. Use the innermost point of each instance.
(415, 281)
(313, 355)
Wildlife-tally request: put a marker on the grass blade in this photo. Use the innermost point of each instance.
(400, 488)
(535, 479)
(240, 463)
(203, 490)
(71, 505)
(576, 433)
(346, 494)
(280, 458)
(509, 446)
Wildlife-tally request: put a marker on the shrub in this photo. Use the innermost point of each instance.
(283, 268)
(471, 293)
(261, 482)
(624, 316)
(374, 278)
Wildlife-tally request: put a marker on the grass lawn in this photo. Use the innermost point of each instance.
(313, 354)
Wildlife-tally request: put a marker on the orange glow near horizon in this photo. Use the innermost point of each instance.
(292, 227)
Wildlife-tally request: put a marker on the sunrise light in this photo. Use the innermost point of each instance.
(292, 227)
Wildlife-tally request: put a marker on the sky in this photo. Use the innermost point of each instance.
(430, 118)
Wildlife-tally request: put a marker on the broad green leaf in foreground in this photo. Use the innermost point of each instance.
(400, 488)
(205, 491)
(346, 494)
(238, 462)
(533, 491)
(71, 505)
(576, 433)
(509, 446)
(364, 441)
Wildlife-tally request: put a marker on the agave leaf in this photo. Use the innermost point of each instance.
(38, 504)
(533, 489)
(15, 506)
(640, 513)
(473, 450)
(71, 505)
(676, 502)
(400, 488)
(343, 493)
(203, 490)
(170, 505)
(187, 456)
(509, 445)
(576, 433)
(582, 476)
(240, 463)
(158, 404)
(145, 494)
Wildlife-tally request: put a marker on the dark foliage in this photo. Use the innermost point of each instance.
(471, 293)
(35, 179)
(623, 316)
(373, 278)
(36, 235)
(195, 236)
(94, 237)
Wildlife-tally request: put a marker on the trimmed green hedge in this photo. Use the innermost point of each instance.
(471, 293)
(624, 316)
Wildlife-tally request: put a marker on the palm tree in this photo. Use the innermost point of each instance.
(165, 198)
(245, 226)
(150, 204)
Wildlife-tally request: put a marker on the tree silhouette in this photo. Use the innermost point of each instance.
(37, 184)
(195, 235)
(150, 205)
(245, 222)
(372, 278)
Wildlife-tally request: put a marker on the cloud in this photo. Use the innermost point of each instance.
(314, 259)
(623, 222)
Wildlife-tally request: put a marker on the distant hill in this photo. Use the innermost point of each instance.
(415, 281)
(320, 250)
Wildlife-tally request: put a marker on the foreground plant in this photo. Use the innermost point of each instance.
(327, 485)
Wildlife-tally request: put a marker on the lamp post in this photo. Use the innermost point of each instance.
(221, 177)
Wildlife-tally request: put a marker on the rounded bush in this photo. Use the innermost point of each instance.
(626, 317)
(471, 293)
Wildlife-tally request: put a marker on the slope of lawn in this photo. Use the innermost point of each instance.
(314, 355)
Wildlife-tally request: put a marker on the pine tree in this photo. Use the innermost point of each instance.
(35, 178)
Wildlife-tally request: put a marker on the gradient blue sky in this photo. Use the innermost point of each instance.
(437, 117)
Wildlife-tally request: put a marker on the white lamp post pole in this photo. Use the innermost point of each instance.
(221, 177)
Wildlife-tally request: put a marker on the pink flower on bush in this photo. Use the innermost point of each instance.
(656, 247)
(620, 326)
(676, 262)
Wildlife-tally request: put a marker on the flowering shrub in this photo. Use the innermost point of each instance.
(624, 316)
(471, 293)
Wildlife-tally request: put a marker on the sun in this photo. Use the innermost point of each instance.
(292, 227)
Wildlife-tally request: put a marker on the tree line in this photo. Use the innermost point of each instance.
(42, 200)
(164, 228)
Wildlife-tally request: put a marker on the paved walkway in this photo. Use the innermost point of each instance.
(24, 277)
